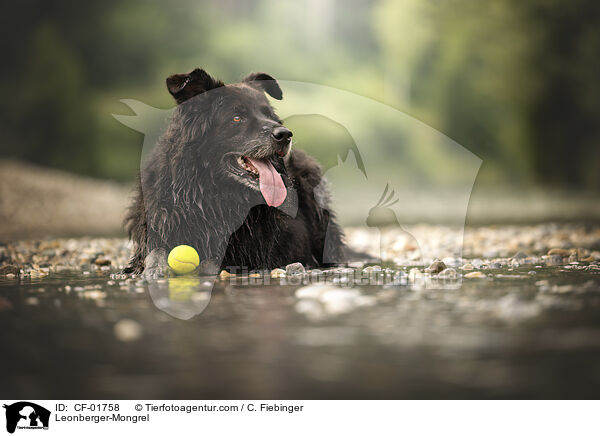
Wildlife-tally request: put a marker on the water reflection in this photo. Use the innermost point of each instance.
(181, 297)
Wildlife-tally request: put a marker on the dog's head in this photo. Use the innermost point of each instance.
(236, 125)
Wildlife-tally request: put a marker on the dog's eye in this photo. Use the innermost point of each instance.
(237, 119)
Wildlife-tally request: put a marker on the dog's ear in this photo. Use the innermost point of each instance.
(185, 86)
(266, 83)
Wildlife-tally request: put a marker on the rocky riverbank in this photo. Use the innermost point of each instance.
(492, 247)
(518, 307)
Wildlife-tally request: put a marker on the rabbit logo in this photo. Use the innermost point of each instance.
(383, 217)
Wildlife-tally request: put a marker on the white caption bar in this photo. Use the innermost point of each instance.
(463, 418)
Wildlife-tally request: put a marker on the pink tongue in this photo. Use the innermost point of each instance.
(271, 185)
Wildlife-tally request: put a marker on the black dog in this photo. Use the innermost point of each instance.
(224, 180)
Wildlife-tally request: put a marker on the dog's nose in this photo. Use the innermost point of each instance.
(282, 135)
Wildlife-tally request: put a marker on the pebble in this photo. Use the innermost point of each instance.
(436, 266)
(448, 273)
(9, 269)
(128, 330)
(475, 275)
(277, 273)
(224, 274)
(468, 267)
(295, 269)
(101, 261)
(559, 251)
(477, 263)
(356, 265)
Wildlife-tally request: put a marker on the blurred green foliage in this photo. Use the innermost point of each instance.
(514, 82)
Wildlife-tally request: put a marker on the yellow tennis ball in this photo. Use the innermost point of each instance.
(183, 259)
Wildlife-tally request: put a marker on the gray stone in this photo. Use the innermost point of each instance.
(277, 273)
(477, 263)
(448, 273)
(101, 261)
(437, 266)
(295, 269)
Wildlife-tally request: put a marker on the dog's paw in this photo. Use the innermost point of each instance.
(209, 267)
(156, 264)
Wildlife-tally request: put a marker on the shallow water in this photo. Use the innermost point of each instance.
(512, 334)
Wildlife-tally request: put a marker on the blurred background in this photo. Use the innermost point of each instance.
(516, 83)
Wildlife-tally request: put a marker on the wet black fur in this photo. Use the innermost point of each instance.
(186, 195)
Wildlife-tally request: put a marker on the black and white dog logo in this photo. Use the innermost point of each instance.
(26, 415)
